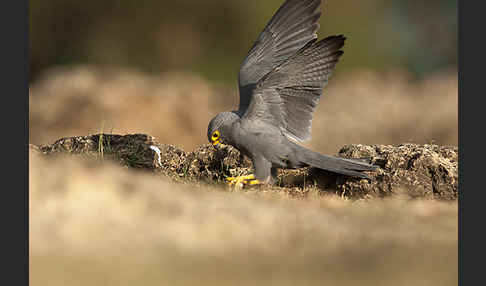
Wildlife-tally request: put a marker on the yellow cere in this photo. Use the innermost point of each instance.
(215, 137)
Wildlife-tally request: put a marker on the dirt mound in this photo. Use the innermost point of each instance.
(414, 170)
(96, 223)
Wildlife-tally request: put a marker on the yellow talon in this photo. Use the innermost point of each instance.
(254, 182)
(239, 179)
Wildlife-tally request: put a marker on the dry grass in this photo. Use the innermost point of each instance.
(360, 107)
(100, 224)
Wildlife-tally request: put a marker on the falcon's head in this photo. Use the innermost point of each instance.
(220, 126)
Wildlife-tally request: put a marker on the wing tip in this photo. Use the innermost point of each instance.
(334, 42)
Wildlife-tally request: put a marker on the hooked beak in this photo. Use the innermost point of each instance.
(216, 143)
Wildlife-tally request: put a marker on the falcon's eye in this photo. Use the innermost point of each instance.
(215, 135)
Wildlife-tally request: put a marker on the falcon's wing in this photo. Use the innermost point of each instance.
(293, 25)
(287, 96)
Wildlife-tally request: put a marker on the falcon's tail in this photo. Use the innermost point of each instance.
(350, 167)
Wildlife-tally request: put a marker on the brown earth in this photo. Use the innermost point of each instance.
(92, 222)
(415, 170)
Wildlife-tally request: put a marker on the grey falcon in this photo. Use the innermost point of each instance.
(280, 84)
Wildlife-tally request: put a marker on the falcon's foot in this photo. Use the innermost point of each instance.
(240, 181)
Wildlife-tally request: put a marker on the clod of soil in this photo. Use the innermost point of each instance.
(411, 169)
(416, 170)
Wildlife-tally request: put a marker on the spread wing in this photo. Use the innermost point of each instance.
(293, 25)
(287, 96)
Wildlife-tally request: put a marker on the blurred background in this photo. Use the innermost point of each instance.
(131, 66)
(212, 37)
